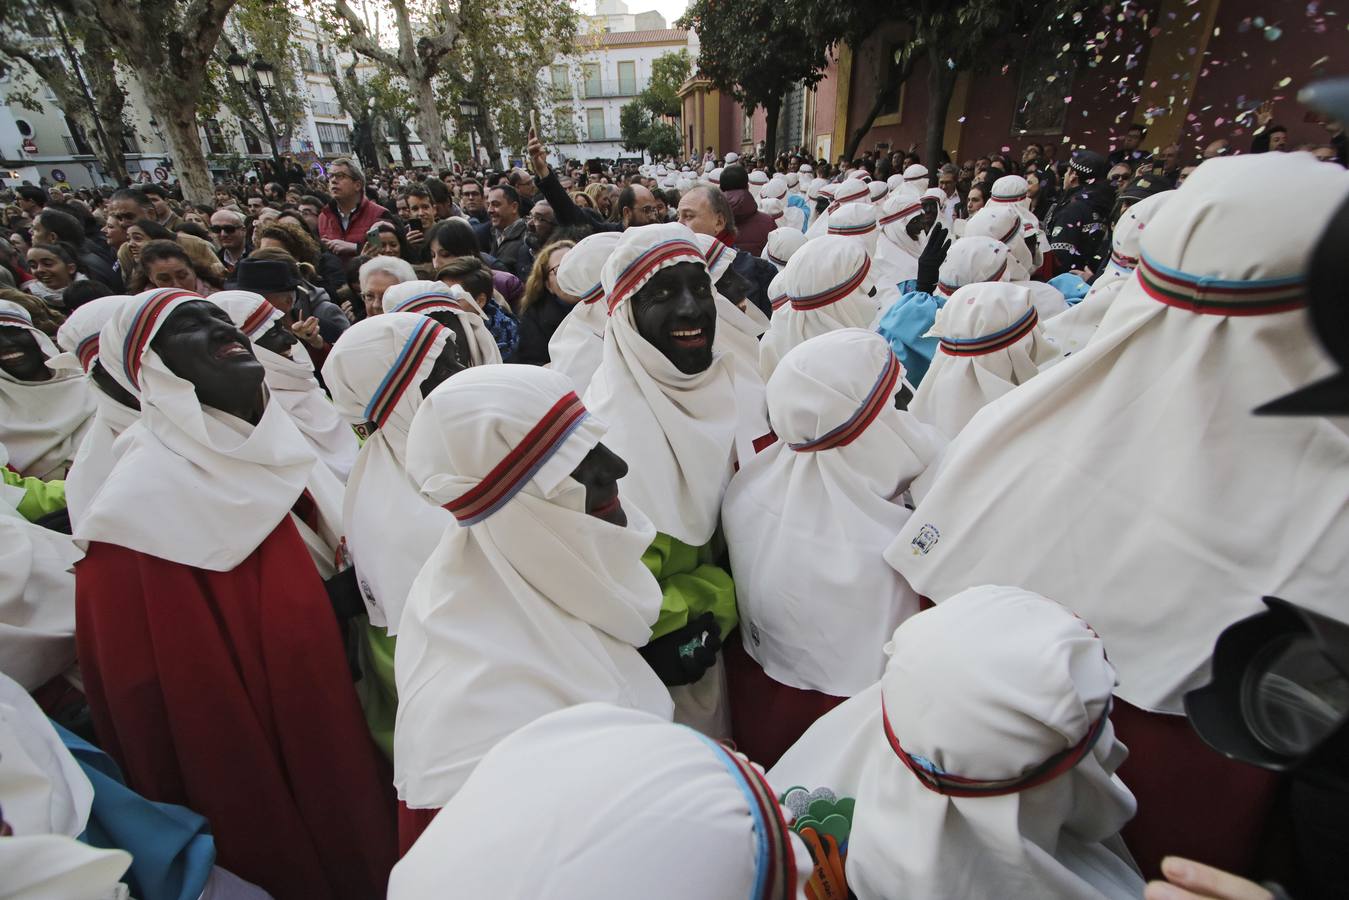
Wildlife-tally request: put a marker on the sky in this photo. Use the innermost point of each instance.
(670, 9)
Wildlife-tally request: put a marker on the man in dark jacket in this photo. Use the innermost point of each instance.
(509, 231)
(751, 226)
(1077, 224)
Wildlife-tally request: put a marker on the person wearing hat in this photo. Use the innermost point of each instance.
(315, 320)
(1077, 226)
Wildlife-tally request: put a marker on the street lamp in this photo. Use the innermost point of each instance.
(238, 68)
(261, 77)
(468, 111)
(266, 74)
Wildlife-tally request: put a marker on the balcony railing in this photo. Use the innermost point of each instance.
(601, 88)
(73, 147)
(329, 108)
(336, 148)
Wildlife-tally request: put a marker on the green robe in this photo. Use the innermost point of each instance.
(691, 583)
(39, 497)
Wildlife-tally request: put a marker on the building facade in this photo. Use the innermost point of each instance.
(609, 65)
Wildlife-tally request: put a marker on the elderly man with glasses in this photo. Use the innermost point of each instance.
(231, 238)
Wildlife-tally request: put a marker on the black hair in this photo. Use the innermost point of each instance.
(434, 188)
(193, 229)
(81, 292)
(35, 194)
(1141, 129)
(67, 253)
(156, 231)
(418, 190)
(157, 189)
(135, 196)
(66, 227)
(455, 237)
(511, 194)
(734, 178)
(470, 272)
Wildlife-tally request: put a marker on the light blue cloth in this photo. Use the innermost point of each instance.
(795, 199)
(904, 325)
(172, 851)
(1071, 286)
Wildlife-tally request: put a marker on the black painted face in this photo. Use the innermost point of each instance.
(109, 386)
(599, 472)
(929, 214)
(676, 313)
(278, 339)
(446, 365)
(461, 349)
(734, 287)
(21, 357)
(200, 344)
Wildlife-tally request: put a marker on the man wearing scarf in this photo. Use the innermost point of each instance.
(1077, 224)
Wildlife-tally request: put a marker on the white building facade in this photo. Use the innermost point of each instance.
(609, 65)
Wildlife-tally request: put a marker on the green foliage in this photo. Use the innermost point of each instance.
(666, 142)
(643, 132)
(668, 72)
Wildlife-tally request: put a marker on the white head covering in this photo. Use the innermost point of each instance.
(816, 185)
(757, 179)
(698, 821)
(995, 764)
(781, 244)
(681, 432)
(793, 180)
(42, 422)
(897, 254)
(856, 221)
(809, 516)
(895, 182)
(916, 177)
(1013, 190)
(849, 191)
(528, 604)
(194, 485)
(79, 341)
(971, 260)
(37, 597)
(879, 190)
(775, 209)
(426, 297)
(1167, 462)
(774, 189)
(1073, 329)
(577, 345)
(829, 283)
(47, 798)
(732, 157)
(990, 343)
(1004, 223)
(375, 373)
(292, 383)
(714, 176)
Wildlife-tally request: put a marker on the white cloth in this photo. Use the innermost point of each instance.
(1072, 330)
(828, 282)
(1030, 681)
(391, 531)
(806, 525)
(1015, 191)
(194, 485)
(577, 346)
(78, 339)
(971, 260)
(43, 788)
(1003, 223)
(852, 190)
(529, 606)
(672, 816)
(37, 600)
(435, 297)
(781, 244)
(292, 383)
(991, 343)
(681, 432)
(738, 330)
(56, 867)
(916, 178)
(1146, 494)
(896, 257)
(42, 422)
(857, 222)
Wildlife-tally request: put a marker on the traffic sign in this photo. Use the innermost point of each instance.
(58, 175)
(161, 173)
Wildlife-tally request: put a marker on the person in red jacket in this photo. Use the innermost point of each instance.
(751, 226)
(344, 222)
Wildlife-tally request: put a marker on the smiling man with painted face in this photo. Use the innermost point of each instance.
(203, 586)
(678, 412)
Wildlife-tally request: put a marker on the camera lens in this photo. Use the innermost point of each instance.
(1292, 698)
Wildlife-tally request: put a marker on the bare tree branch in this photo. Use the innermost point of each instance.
(361, 41)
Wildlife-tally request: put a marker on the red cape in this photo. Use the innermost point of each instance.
(228, 693)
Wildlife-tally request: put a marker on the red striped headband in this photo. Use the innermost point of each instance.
(1012, 199)
(143, 327)
(521, 464)
(1011, 232)
(714, 254)
(654, 258)
(780, 300)
(935, 779)
(900, 213)
(881, 393)
(1219, 297)
(9, 318)
(596, 292)
(989, 343)
(1124, 262)
(399, 377)
(87, 351)
(259, 318)
(949, 289)
(432, 301)
(775, 861)
(852, 230)
(833, 294)
(774, 259)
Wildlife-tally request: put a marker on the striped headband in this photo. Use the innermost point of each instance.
(1217, 297)
(900, 213)
(935, 779)
(833, 294)
(989, 343)
(1124, 262)
(881, 393)
(949, 289)
(431, 301)
(774, 259)
(520, 465)
(143, 325)
(9, 318)
(596, 292)
(1012, 199)
(399, 377)
(259, 318)
(779, 301)
(635, 273)
(852, 230)
(775, 864)
(87, 351)
(1011, 232)
(714, 254)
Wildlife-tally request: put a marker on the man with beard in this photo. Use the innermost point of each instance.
(1078, 224)
(636, 204)
(541, 224)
